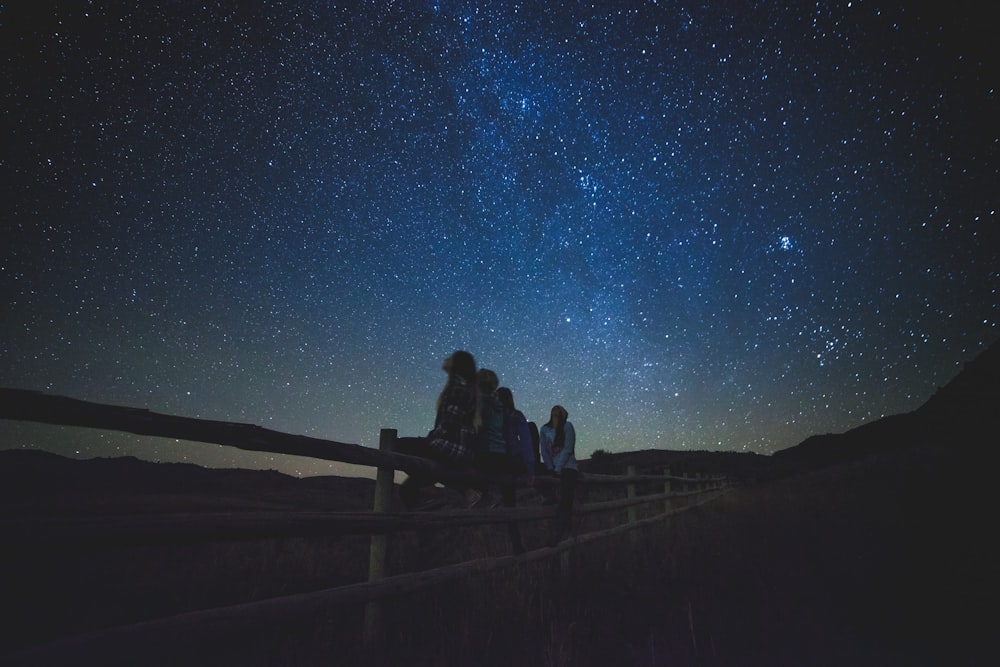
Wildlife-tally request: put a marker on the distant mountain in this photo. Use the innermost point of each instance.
(962, 415)
(39, 482)
(965, 413)
(743, 466)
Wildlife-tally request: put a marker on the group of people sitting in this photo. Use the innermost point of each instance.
(478, 427)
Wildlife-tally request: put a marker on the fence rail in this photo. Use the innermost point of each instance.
(116, 532)
(27, 405)
(129, 531)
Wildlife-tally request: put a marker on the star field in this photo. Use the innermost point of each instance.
(697, 227)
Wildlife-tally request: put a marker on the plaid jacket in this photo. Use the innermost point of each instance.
(453, 436)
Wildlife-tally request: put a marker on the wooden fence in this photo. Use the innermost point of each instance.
(380, 523)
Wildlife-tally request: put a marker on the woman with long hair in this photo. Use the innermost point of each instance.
(557, 440)
(451, 442)
(515, 457)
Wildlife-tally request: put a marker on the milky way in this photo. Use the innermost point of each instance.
(722, 226)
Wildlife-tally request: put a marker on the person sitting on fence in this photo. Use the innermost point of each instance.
(519, 458)
(491, 452)
(558, 445)
(451, 441)
(517, 436)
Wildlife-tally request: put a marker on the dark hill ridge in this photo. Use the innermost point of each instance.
(42, 482)
(971, 400)
(739, 466)
(965, 413)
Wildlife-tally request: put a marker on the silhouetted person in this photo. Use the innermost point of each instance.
(490, 446)
(518, 458)
(558, 446)
(451, 441)
(517, 436)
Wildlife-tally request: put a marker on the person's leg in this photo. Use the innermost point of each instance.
(564, 511)
(489, 463)
(409, 490)
(567, 490)
(508, 495)
(474, 493)
(426, 448)
(514, 530)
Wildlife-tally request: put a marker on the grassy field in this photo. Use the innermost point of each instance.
(885, 561)
(881, 562)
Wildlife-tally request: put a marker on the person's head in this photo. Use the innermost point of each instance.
(559, 415)
(506, 397)
(460, 364)
(487, 380)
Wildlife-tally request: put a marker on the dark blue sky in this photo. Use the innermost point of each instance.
(722, 226)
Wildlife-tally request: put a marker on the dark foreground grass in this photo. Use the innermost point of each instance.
(882, 562)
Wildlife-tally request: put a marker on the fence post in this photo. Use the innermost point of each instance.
(666, 489)
(379, 542)
(633, 510)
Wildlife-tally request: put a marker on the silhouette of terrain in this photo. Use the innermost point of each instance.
(38, 483)
(869, 547)
(964, 414)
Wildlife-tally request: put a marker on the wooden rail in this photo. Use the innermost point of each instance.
(110, 532)
(128, 531)
(26, 405)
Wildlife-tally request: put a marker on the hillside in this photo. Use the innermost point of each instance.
(37, 483)
(963, 414)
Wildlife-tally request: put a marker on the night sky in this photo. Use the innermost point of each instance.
(723, 226)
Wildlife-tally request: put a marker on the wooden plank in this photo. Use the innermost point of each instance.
(26, 405)
(35, 406)
(110, 532)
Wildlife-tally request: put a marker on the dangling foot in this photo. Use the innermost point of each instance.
(472, 496)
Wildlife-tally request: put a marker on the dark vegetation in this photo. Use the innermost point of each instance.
(871, 547)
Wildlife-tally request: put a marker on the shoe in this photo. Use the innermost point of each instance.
(472, 498)
(489, 501)
(431, 504)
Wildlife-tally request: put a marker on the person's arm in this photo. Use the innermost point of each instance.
(527, 451)
(566, 454)
(545, 445)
